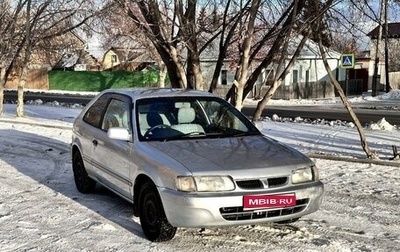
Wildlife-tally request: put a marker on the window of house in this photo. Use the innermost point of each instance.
(113, 58)
(269, 77)
(295, 76)
(224, 77)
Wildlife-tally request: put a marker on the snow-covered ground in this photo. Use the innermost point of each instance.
(40, 209)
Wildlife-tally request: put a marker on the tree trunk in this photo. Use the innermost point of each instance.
(245, 58)
(25, 68)
(175, 70)
(162, 75)
(261, 104)
(347, 105)
(2, 84)
(278, 80)
(20, 91)
(199, 82)
(284, 28)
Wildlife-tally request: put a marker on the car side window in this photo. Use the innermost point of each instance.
(95, 112)
(116, 115)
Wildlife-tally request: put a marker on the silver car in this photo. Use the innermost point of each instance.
(189, 159)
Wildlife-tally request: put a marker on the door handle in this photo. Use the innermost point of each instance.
(94, 142)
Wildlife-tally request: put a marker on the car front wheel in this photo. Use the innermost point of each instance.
(152, 216)
(83, 182)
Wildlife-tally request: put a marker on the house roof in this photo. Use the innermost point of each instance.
(131, 54)
(393, 31)
(310, 49)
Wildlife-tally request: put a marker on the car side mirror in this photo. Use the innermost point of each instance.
(118, 133)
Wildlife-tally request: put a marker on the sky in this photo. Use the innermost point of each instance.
(41, 210)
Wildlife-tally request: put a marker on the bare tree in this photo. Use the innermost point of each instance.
(27, 53)
(272, 43)
(117, 31)
(158, 22)
(305, 26)
(180, 36)
(12, 40)
(279, 78)
(339, 89)
(38, 24)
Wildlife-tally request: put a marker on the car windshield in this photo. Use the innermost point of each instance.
(174, 118)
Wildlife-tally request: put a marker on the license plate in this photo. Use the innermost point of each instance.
(269, 201)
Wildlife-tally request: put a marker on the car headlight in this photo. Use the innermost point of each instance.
(204, 183)
(302, 175)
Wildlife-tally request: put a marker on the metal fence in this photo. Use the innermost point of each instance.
(309, 90)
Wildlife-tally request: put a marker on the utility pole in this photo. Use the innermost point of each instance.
(378, 51)
(387, 82)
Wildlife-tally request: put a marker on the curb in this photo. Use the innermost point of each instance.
(356, 160)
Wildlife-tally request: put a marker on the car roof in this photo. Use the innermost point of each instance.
(139, 93)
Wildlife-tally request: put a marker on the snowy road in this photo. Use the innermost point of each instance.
(40, 209)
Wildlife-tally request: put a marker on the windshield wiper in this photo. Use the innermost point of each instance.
(186, 135)
(240, 134)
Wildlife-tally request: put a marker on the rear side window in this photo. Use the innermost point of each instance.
(95, 112)
(117, 115)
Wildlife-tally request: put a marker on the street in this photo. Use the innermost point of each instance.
(366, 112)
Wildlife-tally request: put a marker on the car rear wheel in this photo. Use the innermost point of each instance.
(83, 182)
(152, 216)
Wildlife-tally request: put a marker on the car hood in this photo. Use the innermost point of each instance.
(241, 155)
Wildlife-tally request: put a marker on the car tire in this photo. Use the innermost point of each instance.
(154, 223)
(83, 182)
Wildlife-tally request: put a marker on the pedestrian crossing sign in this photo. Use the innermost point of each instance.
(347, 61)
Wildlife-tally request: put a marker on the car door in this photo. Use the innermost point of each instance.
(111, 157)
(90, 130)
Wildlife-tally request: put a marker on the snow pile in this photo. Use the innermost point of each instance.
(356, 99)
(54, 104)
(282, 102)
(298, 119)
(382, 125)
(392, 95)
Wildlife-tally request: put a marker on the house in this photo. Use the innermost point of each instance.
(359, 75)
(393, 48)
(126, 59)
(307, 79)
(79, 60)
(75, 56)
(64, 52)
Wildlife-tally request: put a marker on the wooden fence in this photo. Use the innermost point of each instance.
(36, 79)
(309, 90)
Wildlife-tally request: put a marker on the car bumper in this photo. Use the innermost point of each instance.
(191, 210)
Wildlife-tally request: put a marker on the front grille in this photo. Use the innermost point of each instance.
(258, 184)
(250, 184)
(275, 182)
(237, 213)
